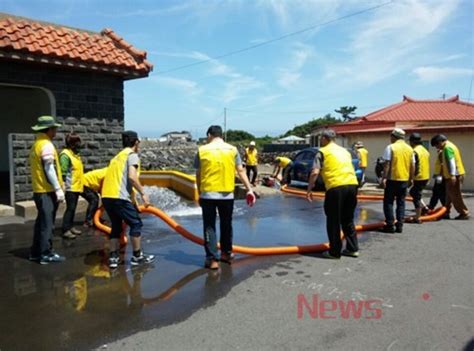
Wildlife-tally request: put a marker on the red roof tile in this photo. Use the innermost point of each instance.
(409, 109)
(24, 39)
(411, 114)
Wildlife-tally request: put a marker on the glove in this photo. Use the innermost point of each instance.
(60, 195)
(251, 199)
(438, 179)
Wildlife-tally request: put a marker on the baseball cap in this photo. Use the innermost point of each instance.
(328, 133)
(252, 143)
(415, 137)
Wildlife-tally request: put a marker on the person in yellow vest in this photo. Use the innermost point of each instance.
(422, 175)
(251, 162)
(284, 164)
(398, 174)
(363, 158)
(72, 170)
(453, 173)
(216, 164)
(120, 181)
(438, 193)
(46, 181)
(334, 163)
(92, 182)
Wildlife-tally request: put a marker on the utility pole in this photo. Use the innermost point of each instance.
(225, 124)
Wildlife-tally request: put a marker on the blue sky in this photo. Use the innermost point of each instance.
(422, 49)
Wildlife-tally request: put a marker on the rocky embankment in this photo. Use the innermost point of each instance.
(159, 156)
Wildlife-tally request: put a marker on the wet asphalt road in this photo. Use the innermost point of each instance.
(422, 280)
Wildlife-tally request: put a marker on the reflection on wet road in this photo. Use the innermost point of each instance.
(80, 304)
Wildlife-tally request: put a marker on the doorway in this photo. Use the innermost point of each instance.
(20, 106)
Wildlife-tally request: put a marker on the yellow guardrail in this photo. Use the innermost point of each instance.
(182, 183)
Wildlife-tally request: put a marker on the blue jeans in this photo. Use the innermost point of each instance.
(120, 211)
(47, 205)
(225, 209)
(394, 190)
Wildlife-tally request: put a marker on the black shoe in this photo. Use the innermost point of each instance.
(462, 217)
(399, 229)
(142, 259)
(387, 229)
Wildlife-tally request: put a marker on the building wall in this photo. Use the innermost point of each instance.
(88, 103)
(376, 143)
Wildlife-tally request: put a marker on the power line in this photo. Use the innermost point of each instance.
(248, 48)
(294, 112)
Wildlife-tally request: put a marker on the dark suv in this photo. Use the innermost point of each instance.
(303, 162)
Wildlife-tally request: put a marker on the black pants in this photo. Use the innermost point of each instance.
(416, 192)
(394, 190)
(225, 209)
(71, 204)
(439, 194)
(120, 211)
(47, 205)
(93, 200)
(254, 170)
(339, 206)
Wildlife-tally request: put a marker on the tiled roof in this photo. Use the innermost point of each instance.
(409, 109)
(35, 41)
(411, 114)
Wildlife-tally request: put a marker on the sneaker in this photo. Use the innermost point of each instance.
(51, 258)
(69, 235)
(211, 264)
(399, 229)
(88, 224)
(227, 258)
(348, 253)
(326, 254)
(114, 261)
(76, 231)
(462, 217)
(387, 229)
(142, 259)
(446, 216)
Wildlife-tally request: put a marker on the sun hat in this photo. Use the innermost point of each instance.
(45, 122)
(398, 133)
(252, 143)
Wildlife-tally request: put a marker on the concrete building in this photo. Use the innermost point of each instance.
(451, 117)
(73, 74)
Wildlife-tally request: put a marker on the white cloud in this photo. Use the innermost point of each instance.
(290, 75)
(429, 74)
(390, 41)
(186, 85)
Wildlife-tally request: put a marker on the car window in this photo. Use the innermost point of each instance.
(304, 156)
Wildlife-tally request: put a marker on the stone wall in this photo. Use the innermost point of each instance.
(76, 93)
(101, 139)
(88, 103)
(156, 156)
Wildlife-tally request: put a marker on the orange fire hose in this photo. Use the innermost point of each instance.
(276, 250)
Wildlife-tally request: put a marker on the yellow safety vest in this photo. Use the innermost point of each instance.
(402, 159)
(76, 170)
(252, 158)
(93, 179)
(114, 185)
(423, 163)
(438, 165)
(364, 155)
(337, 169)
(457, 159)
(39, 181)
(217, 167)
(283, 161)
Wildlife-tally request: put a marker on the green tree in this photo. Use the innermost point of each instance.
(238, 135)
(306, 128)
(347, 112)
